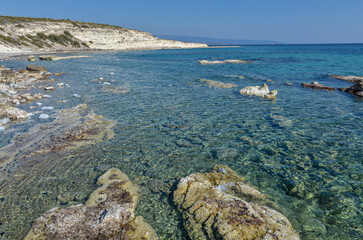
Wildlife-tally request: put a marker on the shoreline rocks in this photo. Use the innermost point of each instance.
(262, 91)
(317, 85)
(221, 205)
(107, 214)
(35, 68)
(207, 62)
(217, 84)
(356, 89)
(353, 79)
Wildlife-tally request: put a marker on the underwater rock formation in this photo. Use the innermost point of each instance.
(317, 85)
(217, 84)
(221, 205)
(108, 214)
(262, 91)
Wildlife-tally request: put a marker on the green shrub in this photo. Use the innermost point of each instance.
(84, 26)
(2, 29)
(19, 25)
(9, 39)
(85, 44)
(68, 33)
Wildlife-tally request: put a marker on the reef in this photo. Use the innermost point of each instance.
(207, 62)
(317, 85)
(221, 205)
(217, 84)
(107, 214)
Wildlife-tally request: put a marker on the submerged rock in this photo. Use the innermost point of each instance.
(353, 79)
(35, 68)
(262, 91)
(356, 89)
(31, 58)
(221, 205)
(217, 84)
(43, 116)
(206, 62)
(317, 85)
(108, 214)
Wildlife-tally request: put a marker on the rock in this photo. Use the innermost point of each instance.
(60, 84)
(49, 88)
(39, 104)
(108, 214)
(55, 58)
(317, 85)
(47, 96)
(353, 79)
(2, 129)
(217, 84)
(14, 113)
(356, 89)
(206, 62)
(235, 76)
(183, 143)
(4, 120)
(31, 58)
(288, 83)
(112, 73)
(76, 95)
(43, 116)
(47, 108)
(34, 68)
(262, 91)
(222, 205)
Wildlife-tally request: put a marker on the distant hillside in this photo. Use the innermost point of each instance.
(24, 34)
(217, 41)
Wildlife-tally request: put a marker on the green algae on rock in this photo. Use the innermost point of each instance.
(222, 205)
(108, 214)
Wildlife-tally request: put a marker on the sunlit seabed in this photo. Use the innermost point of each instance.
(303, 149)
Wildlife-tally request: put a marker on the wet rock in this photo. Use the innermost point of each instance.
(222, 205)
(183, 143)
(49, 88)
(2, 129)
(14, 113)
(288, 83)
(317, 85)
(116, 89)
(206, 62)
(157, 186)
(47, 96)
(356, 89)
(108, 214)
(282, 121)
(47, 108)
(227, 153)
(4, 120)
(56, 58)
(217, 84)
(65, 198)
(353, 79)
(262, 91)
(43, 116)
(76, 95)
(31, 58)
(35, 68)
(235, 76)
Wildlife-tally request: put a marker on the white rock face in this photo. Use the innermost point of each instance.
(262, 91)
(96, 36)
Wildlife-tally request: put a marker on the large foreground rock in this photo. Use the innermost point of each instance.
(262, 91)
(13, 113)
(221, 205)
(108, 214)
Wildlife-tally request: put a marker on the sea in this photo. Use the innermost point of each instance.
(303, 149)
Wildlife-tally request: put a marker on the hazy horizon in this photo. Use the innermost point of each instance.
(284, 21)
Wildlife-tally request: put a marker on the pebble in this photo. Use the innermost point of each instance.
(76, 95)
(43, 116)
(47, 108)
(112, 73)
(60, 84)
(46, 96)
(39, 104)
(106, 83)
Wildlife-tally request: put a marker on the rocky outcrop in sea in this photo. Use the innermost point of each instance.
(217, 84)
(221, 205)
(262, 91)
(317, 85)
(109, 213)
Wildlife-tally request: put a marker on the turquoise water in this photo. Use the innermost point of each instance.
(303, 149)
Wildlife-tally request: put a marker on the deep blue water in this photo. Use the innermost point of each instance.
(303, 149)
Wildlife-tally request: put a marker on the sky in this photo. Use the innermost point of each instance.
(288, 21)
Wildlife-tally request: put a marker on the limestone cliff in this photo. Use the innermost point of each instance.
(19, 34)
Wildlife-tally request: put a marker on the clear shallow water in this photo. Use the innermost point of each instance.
(303, 149)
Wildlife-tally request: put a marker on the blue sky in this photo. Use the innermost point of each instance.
(290, 21)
